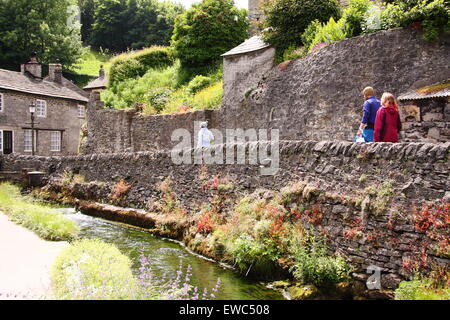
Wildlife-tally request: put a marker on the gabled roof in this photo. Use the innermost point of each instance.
(253, 44)
(98, 83)
(440, 90)
(12, 80)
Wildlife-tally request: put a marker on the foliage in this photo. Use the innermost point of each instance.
(197, 84)
(28, 26)
(436, 286)
(136, 64)
(46, 222)
(205, 31)
(120, 190)
(313, 265)
(158, 91)
(91, 61)
(90, 269)
(119, 25)
(330, 32)
(286, 20)
(355, 16)
(432, 14)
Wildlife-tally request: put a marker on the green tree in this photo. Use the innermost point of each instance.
(206, 30)
(87, 19)
(286, 20)
(109, 25)
(46, 27)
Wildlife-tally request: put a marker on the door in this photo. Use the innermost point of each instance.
(7, 142)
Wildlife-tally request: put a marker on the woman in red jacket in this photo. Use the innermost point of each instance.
(387, 122)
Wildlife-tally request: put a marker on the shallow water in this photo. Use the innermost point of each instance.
(165, 256)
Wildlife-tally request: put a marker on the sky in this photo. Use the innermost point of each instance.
(238, 3)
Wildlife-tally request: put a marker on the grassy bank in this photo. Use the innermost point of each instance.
(45, 221)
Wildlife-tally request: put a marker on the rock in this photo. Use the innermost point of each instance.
(299, 292)
(281, 284)
(344, 289)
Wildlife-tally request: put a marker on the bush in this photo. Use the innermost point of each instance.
(92, 270)
(286, 20)
(136, 64)
(433, 16)
(46, 222)
(330, 32)
(355, 16)
(197, 84)
(313, 265)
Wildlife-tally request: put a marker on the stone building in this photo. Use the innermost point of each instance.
(425, 113)
(243, 67)
(60, 111)
(97, 84)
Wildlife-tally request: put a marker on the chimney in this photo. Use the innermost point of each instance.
(32, 66)
(55, 72)
(101, 73)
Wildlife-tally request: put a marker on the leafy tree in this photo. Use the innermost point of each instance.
(286, 20)
(206, 30)
(87, 19)
(109, 24)
(46, 27)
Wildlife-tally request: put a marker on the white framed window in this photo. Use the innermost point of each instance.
(1, 102)
(55, 141)
(81, 111)
(41, 108)
(27, 145)
(1, 141)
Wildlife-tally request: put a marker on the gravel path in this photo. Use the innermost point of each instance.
(25, 262)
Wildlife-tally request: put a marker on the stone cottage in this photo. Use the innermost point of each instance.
(60, 108)
(425, 113)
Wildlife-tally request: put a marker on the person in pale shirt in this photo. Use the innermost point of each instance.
(204, 136)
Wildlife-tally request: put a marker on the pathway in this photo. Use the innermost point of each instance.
(25, 261)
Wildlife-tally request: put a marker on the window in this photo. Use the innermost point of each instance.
(41, 108)
(27, 145)
(1, 102)
(55, 141)
(81, 111)
(1, 140)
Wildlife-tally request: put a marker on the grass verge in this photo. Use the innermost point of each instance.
(45, 221)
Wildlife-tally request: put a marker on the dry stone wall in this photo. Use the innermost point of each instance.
(365, 194)
(317, 97)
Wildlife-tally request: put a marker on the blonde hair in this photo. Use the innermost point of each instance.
(368, 91)
(389, 99)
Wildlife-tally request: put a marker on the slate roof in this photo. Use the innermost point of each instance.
(253, 44)
(415, 95)
(98, 83)
(12, 80)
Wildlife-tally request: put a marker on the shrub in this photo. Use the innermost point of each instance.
(286, 20)
(330, 32)
(355, 16)
(137, 63)
(46, 222)
(92, 270)
(433, 16)
(313, 265)
(197, 84)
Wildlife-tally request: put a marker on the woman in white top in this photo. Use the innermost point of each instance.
(204, 136)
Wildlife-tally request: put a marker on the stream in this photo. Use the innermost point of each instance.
(165, 256)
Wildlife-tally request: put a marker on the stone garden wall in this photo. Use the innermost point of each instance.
(317, 97)
(364, 196)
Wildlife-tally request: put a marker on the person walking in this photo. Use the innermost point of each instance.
(204, 135)
(387, 123)
(371, 106)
